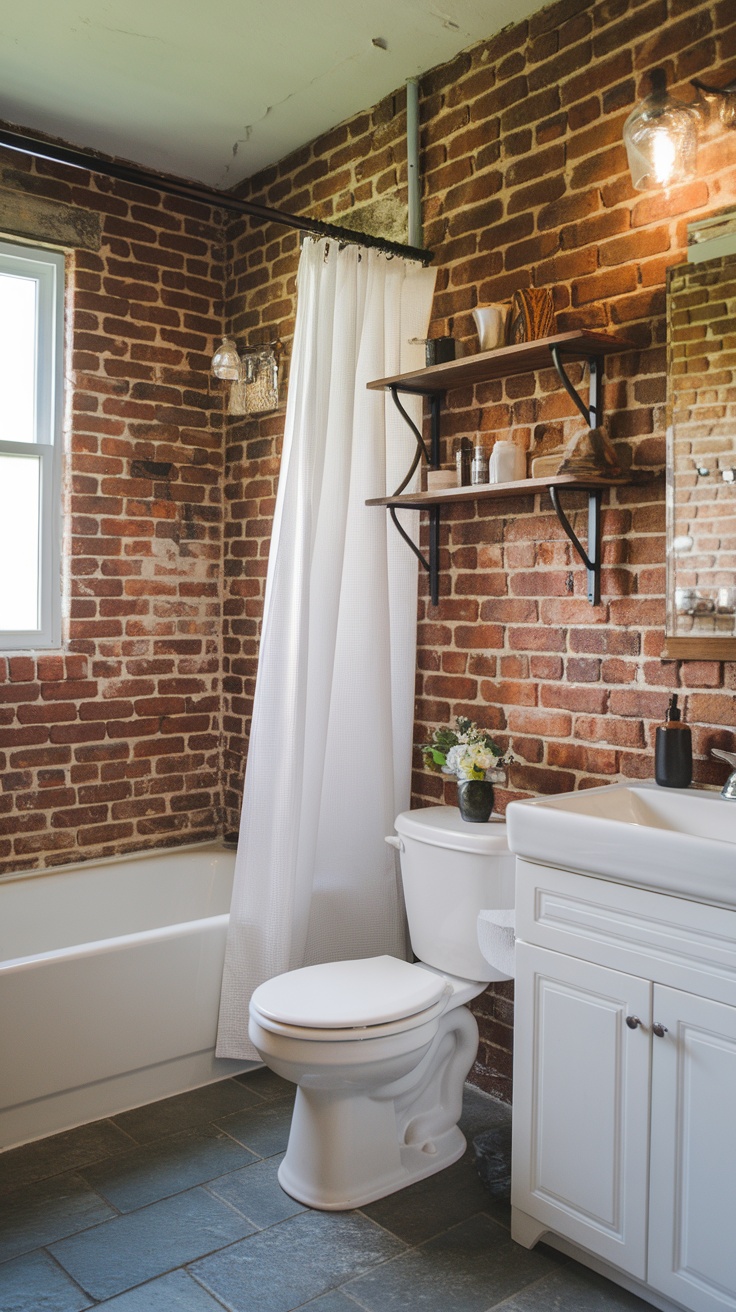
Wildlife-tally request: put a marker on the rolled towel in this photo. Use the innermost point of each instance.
(497, 940)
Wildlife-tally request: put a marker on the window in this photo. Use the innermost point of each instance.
(31, 356)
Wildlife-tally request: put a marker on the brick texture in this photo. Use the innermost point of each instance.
(525, 185)
(114, 743)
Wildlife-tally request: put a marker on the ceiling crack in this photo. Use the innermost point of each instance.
(249, 127)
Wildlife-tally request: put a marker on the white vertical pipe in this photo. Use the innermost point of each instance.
(412, 157)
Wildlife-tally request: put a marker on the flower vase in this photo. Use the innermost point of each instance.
(475, 799)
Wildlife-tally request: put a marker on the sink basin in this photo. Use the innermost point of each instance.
(679, 840)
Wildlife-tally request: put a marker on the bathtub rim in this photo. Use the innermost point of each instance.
(113, 943)
(215, 845)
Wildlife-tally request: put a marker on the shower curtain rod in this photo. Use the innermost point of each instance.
(83, 159)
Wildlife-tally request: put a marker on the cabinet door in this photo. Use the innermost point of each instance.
(692, 1216)
(581, 1100)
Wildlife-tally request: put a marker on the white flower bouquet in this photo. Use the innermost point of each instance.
(466, 751)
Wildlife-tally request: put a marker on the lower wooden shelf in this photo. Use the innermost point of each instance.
(448, 496)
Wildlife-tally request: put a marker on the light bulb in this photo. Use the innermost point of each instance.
(226, 361)
(664, 157)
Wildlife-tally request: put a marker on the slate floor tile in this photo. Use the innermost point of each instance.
(432, 1205)
(482, 1112)
(291, 1263)
(335, 1301)
(264, 1129)
(60, 1152)
(145, 1174)
(266, 1084)
(256, 1192)
(441, 1245)
(126, 1251)
(469, 1268)
(186, 1110)
(35, 1284)
(52, 1209)
(493, 1164)
(574, 1289)
(175, 1292)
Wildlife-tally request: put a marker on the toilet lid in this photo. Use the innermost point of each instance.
(343, 994)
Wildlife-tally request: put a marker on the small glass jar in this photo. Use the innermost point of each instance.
(479, 467)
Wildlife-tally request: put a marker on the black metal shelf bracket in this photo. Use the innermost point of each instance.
(432, 457)
(592, 557)
(421, 444)
(592, 412)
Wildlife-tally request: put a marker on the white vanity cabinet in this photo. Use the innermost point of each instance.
(625, 1084)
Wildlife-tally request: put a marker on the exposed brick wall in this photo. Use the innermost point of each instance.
(113, 743)
(525, 184)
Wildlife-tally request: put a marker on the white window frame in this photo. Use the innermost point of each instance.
(46, 267)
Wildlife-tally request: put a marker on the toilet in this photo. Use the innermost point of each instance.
(380, 1048)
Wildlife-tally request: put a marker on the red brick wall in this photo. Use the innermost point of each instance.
(113, 743)
(525, 184)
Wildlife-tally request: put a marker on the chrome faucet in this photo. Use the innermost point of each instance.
(729, 788)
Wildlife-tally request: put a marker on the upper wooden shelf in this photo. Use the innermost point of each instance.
(492, 491)
(508, 360)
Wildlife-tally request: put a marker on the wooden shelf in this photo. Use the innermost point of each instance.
(447, 496)
(546, 353)
(508, 360)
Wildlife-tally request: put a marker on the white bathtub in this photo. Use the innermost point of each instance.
(109, 986)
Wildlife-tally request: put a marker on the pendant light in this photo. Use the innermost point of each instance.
(661, 138)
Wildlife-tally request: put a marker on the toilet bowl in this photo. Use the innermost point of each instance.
(380, 1048)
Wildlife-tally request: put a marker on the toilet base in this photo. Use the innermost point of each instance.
(415, 1165)
(348, 1148)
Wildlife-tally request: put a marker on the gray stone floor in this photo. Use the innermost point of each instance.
(176, 1207)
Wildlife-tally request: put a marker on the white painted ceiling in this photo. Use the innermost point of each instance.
(216, 91)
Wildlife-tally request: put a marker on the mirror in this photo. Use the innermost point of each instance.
(701, 460)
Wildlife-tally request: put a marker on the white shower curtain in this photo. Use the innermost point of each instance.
(329, 759)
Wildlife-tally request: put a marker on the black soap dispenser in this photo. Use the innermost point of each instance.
(673, 750)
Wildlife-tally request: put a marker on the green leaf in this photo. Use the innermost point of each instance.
(439, 758)
(444, 739)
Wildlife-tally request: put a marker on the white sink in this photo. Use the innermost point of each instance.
(679, 840)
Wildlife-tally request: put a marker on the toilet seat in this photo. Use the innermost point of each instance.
(342, 1000)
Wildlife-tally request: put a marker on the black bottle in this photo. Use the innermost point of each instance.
(673, 750)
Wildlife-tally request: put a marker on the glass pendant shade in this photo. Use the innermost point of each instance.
(226, 361)
(661, 139)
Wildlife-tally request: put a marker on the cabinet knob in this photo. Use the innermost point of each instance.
(659, 1029)
(633, 1022)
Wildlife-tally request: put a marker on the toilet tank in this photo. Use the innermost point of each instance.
(451, 870)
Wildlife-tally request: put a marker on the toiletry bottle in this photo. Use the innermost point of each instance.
(673, 751)
(463, 459)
